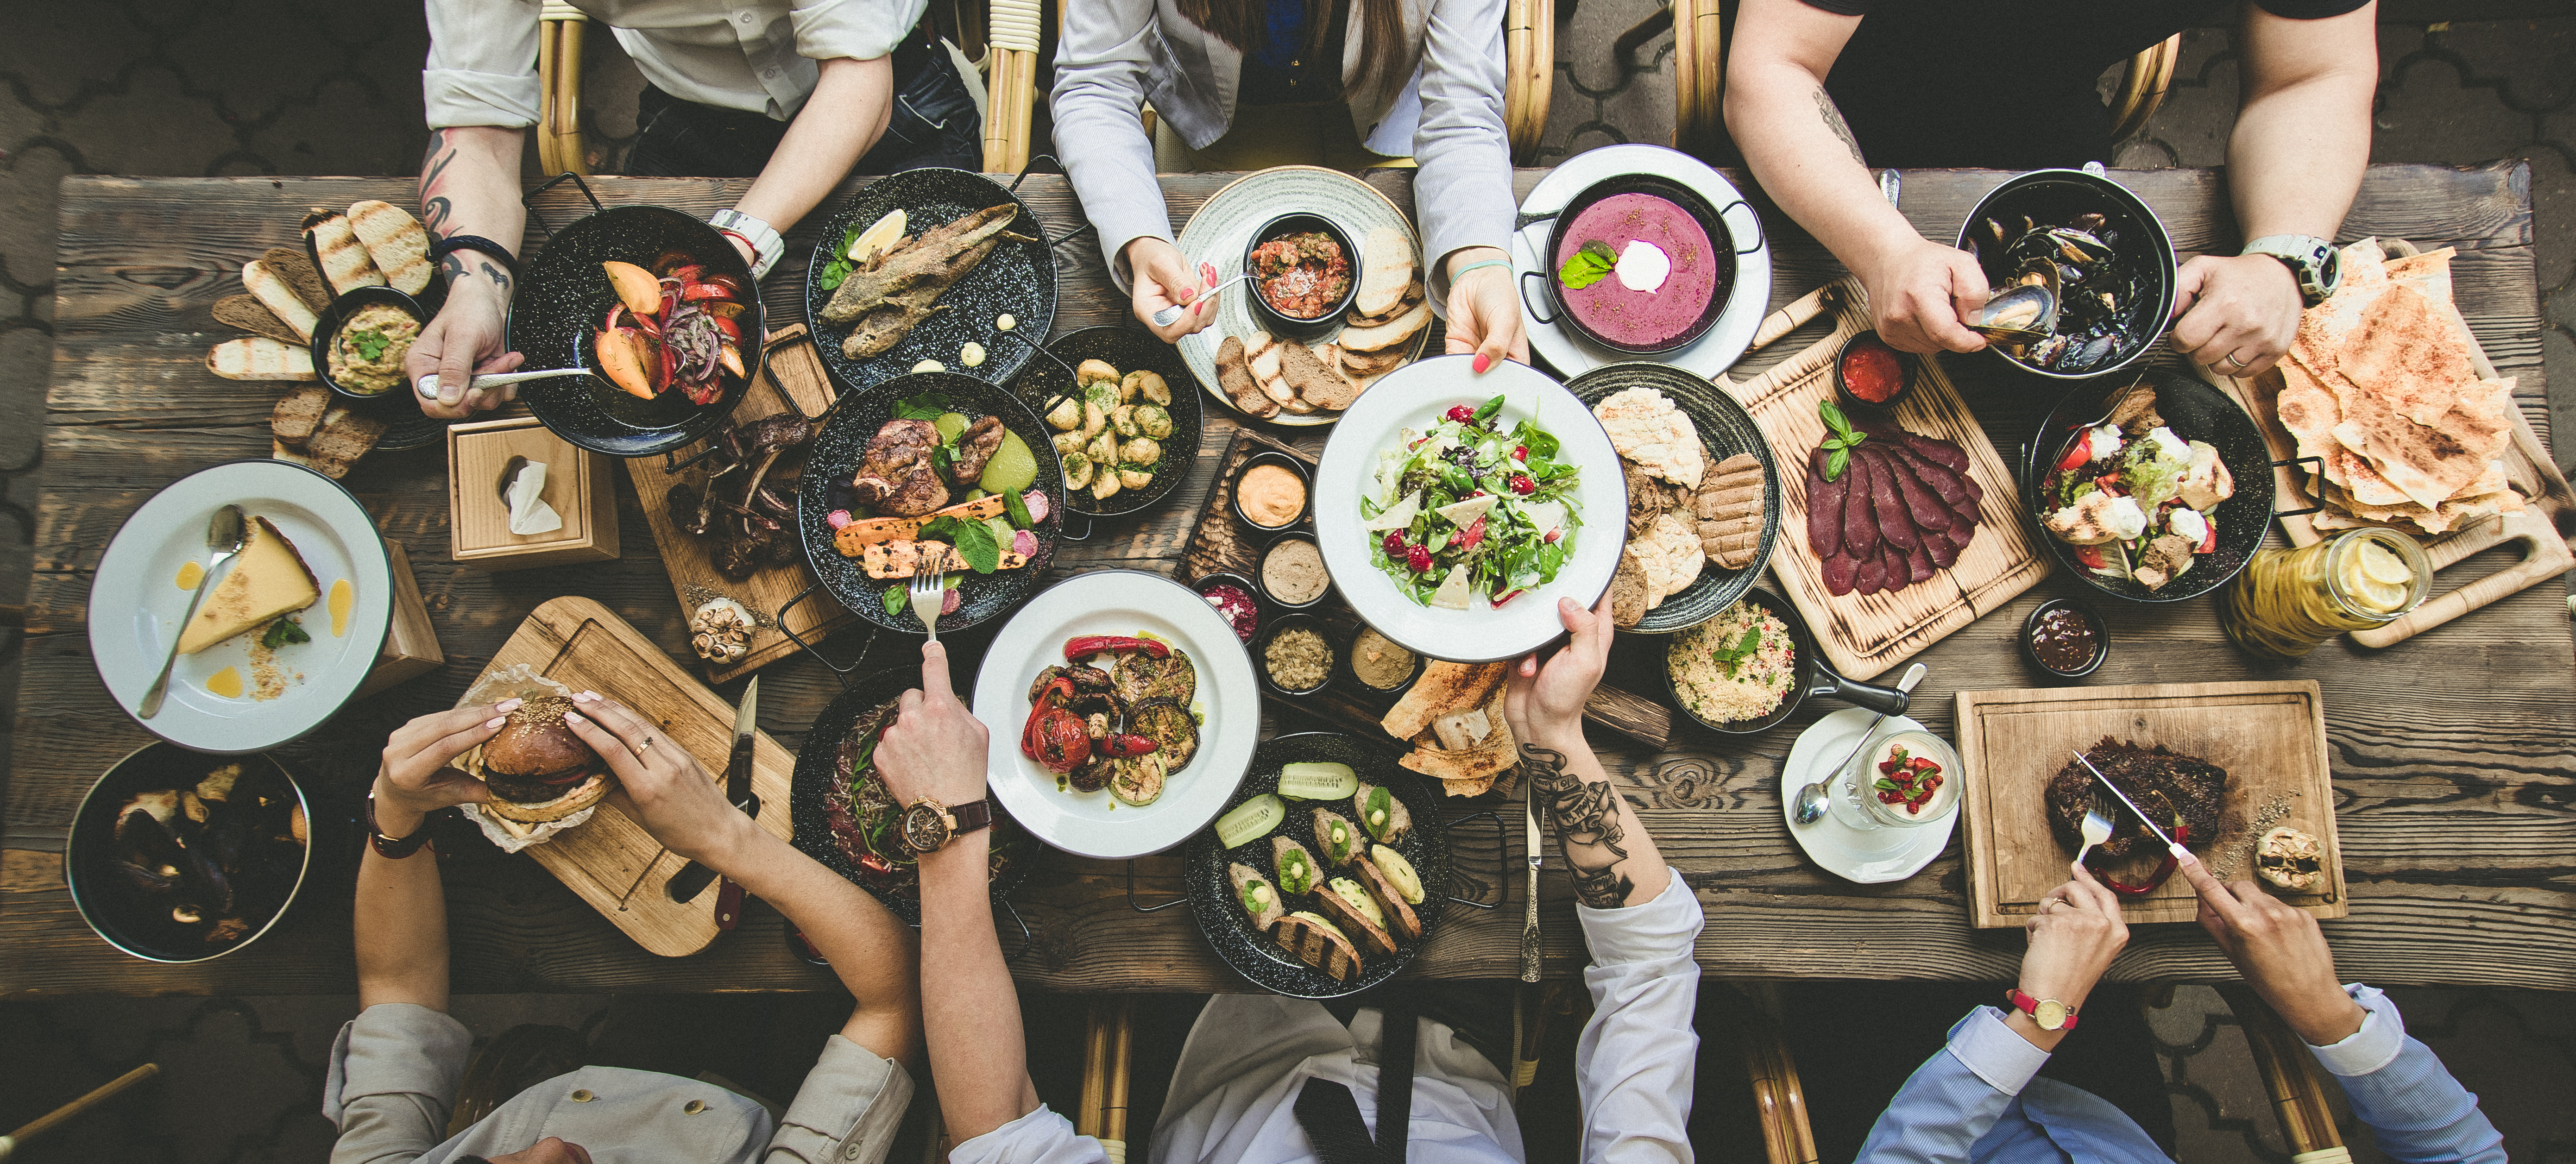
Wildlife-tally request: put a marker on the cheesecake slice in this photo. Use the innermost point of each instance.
(267, 580)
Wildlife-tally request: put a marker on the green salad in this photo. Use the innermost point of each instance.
(1468, 508)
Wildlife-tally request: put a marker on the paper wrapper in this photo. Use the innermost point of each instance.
(529, 513)
(519, 681)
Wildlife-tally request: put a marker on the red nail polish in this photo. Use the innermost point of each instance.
(1482, 362)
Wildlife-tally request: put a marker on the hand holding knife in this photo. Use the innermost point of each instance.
(692, 880)
(2170, 846)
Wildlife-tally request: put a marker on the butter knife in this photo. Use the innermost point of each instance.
(1529, 922)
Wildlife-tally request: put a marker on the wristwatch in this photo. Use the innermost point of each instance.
(393, 848)
(929, 825)
(2314, 260)
(766, 248)
(2050, 1014)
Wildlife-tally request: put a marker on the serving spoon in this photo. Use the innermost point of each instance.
(224, 535)
(428, 384)
(1810, 804)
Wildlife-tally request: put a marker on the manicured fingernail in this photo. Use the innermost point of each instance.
(574, 717)
(585, 696)
(496, 721)
(1482, 362)
(510, 704)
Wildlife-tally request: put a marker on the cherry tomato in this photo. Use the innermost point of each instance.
(1522, 485)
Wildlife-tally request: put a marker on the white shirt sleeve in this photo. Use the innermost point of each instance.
(858, 29)
(850, 1102)
(392, 1081)
(1040, 1137)
(1634, 1065)
(482, 67)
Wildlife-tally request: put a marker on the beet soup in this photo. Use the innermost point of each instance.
(1665, 272)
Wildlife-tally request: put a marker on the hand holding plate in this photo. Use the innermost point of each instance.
(1544, 703)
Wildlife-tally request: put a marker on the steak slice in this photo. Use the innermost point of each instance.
(1893, 562)
(1842, 572)
(1824, 508)
(1922, 503)
(1873, 573)
(1895, 526)
(1860, 525)
(2162, 781)
(1918, 561)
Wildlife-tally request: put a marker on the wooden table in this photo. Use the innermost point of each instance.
(2451, 751)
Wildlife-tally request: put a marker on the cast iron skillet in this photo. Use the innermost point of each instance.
(112, 907)
(563, 298)
(1017, 278)
(2056, 197)
(1045, 381)
(816, 771)
(834, 457)
(1721, 241)
(2194, 411)
(1811, 675)
(1725, 429)
(1211, 895)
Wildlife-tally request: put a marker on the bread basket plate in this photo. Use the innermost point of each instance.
(136, 606)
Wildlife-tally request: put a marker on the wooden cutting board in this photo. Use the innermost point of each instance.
(2534, 531)
(1862, 635)
(2270, 736)
(579, 643)
(791, 375)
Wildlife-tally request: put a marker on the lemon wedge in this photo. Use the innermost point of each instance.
(879, 236)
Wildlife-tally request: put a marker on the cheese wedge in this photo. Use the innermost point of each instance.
(267, 580)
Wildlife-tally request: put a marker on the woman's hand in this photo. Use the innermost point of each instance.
(662, 786)
(2073, 938)
(2236, 313)
(2282, 953)
(469, 338)
(1544, 704)
(1919, 294)
(1484, 313)
(1163, 278)
(935, 747)
(415, 779)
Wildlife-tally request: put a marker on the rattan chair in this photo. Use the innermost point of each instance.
(2290, 1077)
(558, 128)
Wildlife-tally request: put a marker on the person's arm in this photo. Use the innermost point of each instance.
(1806, 159)
(469, 185)
(1102, 57)
(1463, 190)
(2397, 1086)
(2294, 161)
(1956, 1096)
(1614, 862)
(852, 104)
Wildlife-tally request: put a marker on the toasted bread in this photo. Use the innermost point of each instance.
(1315, 941)
(275, 293)
(298, 414)
(1412, 295)
(258, 357)
(1386, 335)
(1372, 937)
(249, 314)
(1728, 507)
(1444, 688)
(344, 259)
(344, 437)
(1386, 269)
(1400, 918)
(1372, 364)
(1313, 380)
(290, 264)
(395, 243)
(1234, 374)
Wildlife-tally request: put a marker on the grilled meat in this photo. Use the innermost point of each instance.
(975, 447)
(895, 476)
(2163, 782)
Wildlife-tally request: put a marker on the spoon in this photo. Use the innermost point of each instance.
(429, 384)
(1172, 314)
(224, 536)
(1810, 804)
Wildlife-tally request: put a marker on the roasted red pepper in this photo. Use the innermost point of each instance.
(1121, 746)
(2181, 836)
(1082, 647)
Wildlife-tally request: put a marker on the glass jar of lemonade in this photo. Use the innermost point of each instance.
(2288, 601)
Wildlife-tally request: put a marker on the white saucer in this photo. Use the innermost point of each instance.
(1868, 857)
(1571, 354)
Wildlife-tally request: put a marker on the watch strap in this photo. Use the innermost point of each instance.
(2030, 1006)
(394, 848)
(971, 816)
(2309, 259)
(467, 242)
(766, 247)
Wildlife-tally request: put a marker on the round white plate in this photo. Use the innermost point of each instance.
(1865, 856)
(135, 605)
(1118, 602)
(1413, 397)
(1223, 227)
(1714, 352)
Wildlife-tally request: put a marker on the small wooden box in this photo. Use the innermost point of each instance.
(579, 486)
(411, 640)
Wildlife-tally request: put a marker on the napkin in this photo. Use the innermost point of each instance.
(529, 513)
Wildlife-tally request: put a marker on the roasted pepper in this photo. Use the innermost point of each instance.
(1082, 647)
(2181, 836)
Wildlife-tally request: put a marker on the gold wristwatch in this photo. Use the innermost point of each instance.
(2050, 1014)
(929, 825)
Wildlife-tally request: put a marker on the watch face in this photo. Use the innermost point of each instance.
(2330, 270)
(2050, 1014)
(925, 828)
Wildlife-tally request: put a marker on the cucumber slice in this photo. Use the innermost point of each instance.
(1002, 531)
(1250, 821)
(1013, 467)
(1317, 781)
(949, 425)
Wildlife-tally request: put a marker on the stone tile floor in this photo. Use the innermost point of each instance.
(188, 87)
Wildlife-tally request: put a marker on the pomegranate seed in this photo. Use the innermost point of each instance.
(1522, 485)
(1418, 558)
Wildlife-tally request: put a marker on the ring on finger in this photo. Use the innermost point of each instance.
(644, 747)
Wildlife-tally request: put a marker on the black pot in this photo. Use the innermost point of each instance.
(1811, 676)
(2194, 411)
(1909, 369)
(1280, 322)
(1725, 429)
(563, 298)
(1712, 220)
(1044, 382)
(2056, 197)
(1017, 279)
(138, 923)
(1279, 624)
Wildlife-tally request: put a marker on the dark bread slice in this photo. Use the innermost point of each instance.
(1320, 946)
(1372, 937)
(1312, 380)
(1399, 912)
(298, 414)
(249, 314)
(1234, 374)
(291, 265)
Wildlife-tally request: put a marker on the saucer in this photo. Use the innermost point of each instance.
(1869, 857)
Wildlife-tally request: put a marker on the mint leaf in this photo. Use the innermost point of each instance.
(929, 405)
(283, 632)
(1587, 267)
(896, 598)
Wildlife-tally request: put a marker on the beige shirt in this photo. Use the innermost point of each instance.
(753, 55)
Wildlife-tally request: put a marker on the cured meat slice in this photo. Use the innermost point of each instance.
(1922, 503)
(1892, 562)
(1873, 573)
(1860, 526)
(1918, 563)
(1948, 454)
(1842, 571)
(1944, 551)
(1824, 508)
(1954, 489)
(1895, 526)
(1961, 534)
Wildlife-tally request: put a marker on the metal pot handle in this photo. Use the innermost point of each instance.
(1884, 700)
(1526, 276)
(2320, 470)
(838, 672)
(1052, 166)
(1760, 240)
(529, 200)
(1131, 893)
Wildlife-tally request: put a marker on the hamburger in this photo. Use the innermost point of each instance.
(538, 769)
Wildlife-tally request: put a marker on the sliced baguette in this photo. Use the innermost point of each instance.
(272, 290)
(298, 414)
(1412, 295)
(258, 357)
(1372, 937)
(1400, 917)
(344, 259)
(1311, 939)
(1388, 335)
(1386, 269)
(290, 264)
(395, 243)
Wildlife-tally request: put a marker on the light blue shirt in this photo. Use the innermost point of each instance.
(1977, 1100)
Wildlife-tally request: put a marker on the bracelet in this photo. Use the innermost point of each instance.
(766, 247)
(1462, 271)
(466, 242)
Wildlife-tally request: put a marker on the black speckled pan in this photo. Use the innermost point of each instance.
(1726, 429)
(816, 771)
(1211, 896)
(1127, 350)
(564, 296)
(2195, 412)
(835, 457)
(1018, 279)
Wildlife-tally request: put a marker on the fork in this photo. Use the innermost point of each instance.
(2097, 822)
(929, 592)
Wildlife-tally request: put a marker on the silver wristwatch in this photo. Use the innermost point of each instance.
(2315, 261)
(766, 247)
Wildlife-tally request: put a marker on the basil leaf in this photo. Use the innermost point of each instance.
(895, 599)
(1017, 508)
(975, 544)
(927, 406)
(1836, 463)
(1487, 410)
(1587, 266)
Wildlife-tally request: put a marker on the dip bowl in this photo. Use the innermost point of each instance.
(326, 332)
(1281, 323)
(1710, 222)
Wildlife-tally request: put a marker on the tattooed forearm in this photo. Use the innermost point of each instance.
(1834, 121)
(1586, 813)
(435, 207)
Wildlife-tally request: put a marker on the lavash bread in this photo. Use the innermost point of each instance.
(270, 287)
(258, 357)
(1386, 269)
(344, 259)
(249, 314)
(395, 242)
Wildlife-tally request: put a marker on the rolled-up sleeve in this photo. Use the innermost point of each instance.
(1956, 1095)
(847, 1110)
(2414, 1108)
(1464, 192)
(1101, 63)
(1634, 1064)
(392, 1081)
(1040, 1137)
(859, 29)
(482, 66)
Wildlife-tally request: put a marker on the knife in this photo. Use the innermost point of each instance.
(2170, 846)
(691, 881)
(1529, 923)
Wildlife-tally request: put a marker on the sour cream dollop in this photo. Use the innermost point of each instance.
(2124, 517)
(2189, 523)
(1643, 266)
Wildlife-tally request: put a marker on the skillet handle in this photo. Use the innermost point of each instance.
(2320, 470)
(1526, 276)
(1884, 700)
(530, 199)
(839, 672)
(1759, 239)
(1047, 163)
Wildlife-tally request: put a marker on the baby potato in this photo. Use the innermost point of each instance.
(1153, 420)
(1122, 420)
(1095, 372)
(1103, 448)
(1070, 441)
(1066, 415)
(1134, 477)
(1104, 484)
(1077, 470)
(1141, 451)
(1146, 383)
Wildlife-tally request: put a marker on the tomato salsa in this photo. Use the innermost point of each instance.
(1871, 371)
(1301, 275)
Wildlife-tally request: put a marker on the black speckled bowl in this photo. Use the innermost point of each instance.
(1017, 279)
(834, 457)
(1255, 956)
(1042, 382)
(564, 297)
(1725, 429)
(406, 426)
(1279, 624)
(2194, 411)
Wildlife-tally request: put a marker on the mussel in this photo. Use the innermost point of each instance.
(2091, 292)
(215, 858)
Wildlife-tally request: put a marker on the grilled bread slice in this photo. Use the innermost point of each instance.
(344, 436)
(298, 414)
(249, 314)
(1311, 939)
(1400, 918)
(1412, 295)
(395, 242)
(1313, 380)
(344, 259)
(258, 357)
(290, 264)
(1386, 269)
(1234, 374)
(1387, 335)
(1349, 907)
(1728, 508)
(273, 291)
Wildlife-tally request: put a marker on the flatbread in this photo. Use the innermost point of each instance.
(1645, 427)
(1443, 688)
(1629, 595)
(1728, 509)
(2407, 353)
(1670, 553)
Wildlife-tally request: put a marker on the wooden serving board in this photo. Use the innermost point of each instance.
(1220, 542)
(1862, 635)
(579, 643)
(791, 375)
(2270, 736)
(2549, 507)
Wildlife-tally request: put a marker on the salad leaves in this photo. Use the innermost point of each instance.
(1470, 508)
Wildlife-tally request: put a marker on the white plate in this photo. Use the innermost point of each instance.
(1118, 602)
(1714, 352)
(1413, 397)
(135, 604)
(1870, 856)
